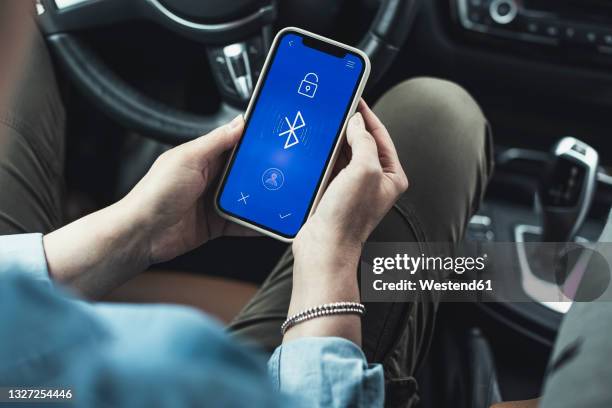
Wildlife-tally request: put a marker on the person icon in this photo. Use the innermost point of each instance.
(273, 179)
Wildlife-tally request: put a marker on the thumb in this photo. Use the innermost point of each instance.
(363, 145)
(213, 144)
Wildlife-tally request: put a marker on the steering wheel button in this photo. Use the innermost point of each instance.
(40, 8)
(62, 4)
(255, 47)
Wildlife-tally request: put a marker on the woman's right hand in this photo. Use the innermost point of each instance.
(328, 247)
(362, 192)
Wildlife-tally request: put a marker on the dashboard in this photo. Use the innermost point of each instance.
(585, 26)
(534, 82)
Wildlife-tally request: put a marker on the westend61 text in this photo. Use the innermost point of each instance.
(431, 284)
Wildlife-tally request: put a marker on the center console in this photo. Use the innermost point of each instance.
(583, 24)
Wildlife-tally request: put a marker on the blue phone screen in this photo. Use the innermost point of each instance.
(290, 135)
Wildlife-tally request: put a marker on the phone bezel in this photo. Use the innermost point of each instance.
(331, 159)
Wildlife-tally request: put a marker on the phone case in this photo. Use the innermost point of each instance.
(336, 149)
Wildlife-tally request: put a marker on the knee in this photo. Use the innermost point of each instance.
(445, 99)
(434, 104)
(442, 138)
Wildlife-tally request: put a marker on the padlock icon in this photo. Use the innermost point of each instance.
(308, 86)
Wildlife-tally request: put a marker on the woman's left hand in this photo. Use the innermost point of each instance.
(169, 212)
(175, 200)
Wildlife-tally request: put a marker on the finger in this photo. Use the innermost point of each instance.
(372, 121)
(386, 148)
(219, 226)
(213, 144)
(363, 145)
(235, 230)
(344, 158)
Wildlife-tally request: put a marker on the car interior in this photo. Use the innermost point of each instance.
(139, 76)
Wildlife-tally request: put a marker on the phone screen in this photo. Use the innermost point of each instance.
(290, 134)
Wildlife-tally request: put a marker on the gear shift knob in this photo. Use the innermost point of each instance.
(567, 188)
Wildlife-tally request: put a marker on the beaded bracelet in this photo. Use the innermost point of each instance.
(327, 309)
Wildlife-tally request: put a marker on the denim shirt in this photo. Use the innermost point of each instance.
(113, 355)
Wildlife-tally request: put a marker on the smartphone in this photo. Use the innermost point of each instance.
(295, 122)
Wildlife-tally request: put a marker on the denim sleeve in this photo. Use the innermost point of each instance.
(24, 253)
(115, 355)
(326, 371)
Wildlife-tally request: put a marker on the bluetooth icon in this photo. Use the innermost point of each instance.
(298, 123)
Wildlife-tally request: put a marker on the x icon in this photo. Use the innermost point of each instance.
(243, 197)
(292, 138)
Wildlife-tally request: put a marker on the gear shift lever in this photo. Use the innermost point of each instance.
(566, 191)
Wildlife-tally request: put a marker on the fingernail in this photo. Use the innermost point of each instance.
(235, 122)
(357, 120)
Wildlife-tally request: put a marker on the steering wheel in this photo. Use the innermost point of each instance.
(237, 35)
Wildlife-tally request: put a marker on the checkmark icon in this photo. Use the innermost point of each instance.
(282, 217)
